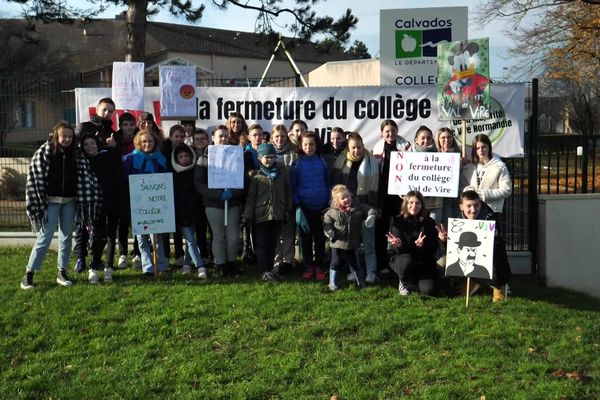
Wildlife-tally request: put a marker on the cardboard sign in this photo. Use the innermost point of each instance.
(432, 174)
(225, 167)
(178, 92)
(470, 248)
(152, 203)
(463, 80)
(128, 85)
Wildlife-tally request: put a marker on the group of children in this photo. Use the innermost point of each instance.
(294, 188)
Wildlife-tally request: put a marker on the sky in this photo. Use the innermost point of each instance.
(367, 29)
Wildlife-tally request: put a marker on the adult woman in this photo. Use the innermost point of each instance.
(487, 175)
(147, 159)
(225, 239)
(359, 171)
(60, 184)
(414, 239)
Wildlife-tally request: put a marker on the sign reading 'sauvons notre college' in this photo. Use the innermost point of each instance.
(408, 42)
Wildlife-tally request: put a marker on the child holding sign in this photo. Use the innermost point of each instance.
(342, 224)
(147, 159)
(225, 238)
(268, 205)
(187, 202)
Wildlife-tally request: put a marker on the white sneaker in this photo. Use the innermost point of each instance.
(202, 273)
(108, 274)
(122, 264)
(136, 262)
(186, 270)
(351, 277)
(371, 277)
(179, 261)
(402, 289)
(93, 276)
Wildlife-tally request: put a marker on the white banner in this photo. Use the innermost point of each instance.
(358, 109)
(128, 85)
(432, 174)
(152, 207)
(470, 248)
(408, 40)
(225, 167)
(177, 92)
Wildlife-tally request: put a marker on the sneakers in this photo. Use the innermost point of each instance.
(351, 277)
(270, 276)
(63, 278)
(309, 273)
(179, 262)
(108, 274)
(27, 281)
(402, 289)
(122, 264)
(93, 277)
(187, 269)
(79, 265)
(371, 278)
(320, 275)
(202, 273)
(136, 262)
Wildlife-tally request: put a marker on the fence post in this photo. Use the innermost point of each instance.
(584, 163)
(533, 174)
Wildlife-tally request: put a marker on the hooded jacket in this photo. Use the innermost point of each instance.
(494, 187)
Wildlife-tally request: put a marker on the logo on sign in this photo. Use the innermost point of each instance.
(420, 43)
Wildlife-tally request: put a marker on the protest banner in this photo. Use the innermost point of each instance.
(432, 174)
(358, 109)
(177, 92)
(128, 85)
(409, 40)
(463, 80)
(152, 203)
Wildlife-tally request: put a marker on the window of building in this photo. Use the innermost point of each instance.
(27, 115)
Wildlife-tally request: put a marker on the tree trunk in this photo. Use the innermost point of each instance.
(136, 30)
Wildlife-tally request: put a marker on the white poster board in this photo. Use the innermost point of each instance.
(225, 167)
(360, 109)
(152, 203)
(178, 92)
(128, 85)
(408, 42)
(470, 248)
(432, 174)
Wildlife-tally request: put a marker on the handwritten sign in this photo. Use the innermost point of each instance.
(432, 174)
(225, 167)
(128, 85)
(178, 92)
(152, 204)
(470, 248)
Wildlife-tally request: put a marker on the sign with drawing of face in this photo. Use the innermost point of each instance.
(470, 248)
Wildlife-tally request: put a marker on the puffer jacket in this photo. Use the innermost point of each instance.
(347, 227)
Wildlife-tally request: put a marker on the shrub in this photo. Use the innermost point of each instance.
(12, 184)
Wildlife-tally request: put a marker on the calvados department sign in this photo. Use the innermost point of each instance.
(409, 39)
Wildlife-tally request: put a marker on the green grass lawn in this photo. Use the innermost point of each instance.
(178, 338)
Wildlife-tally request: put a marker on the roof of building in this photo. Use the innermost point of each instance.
(93, 44)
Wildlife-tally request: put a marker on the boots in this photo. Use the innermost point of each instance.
(332, 284)
(360, 277)
(498, 293)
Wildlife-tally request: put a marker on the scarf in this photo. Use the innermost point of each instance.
(351, 158)
(425, 149)
(280, 151)
(88, 194)
(270, 172)
(139, 158)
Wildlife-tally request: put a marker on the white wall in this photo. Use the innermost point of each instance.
(569, 241)
(346, 73)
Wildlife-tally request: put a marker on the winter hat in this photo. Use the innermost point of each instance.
(266, 149)
(89, 135)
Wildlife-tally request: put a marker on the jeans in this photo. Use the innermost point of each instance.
(406, 267)
(316, 236)
(146, 242)
(192, 253)
(63, 216)
(226, 239)
(368, 237)
(286, 248)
